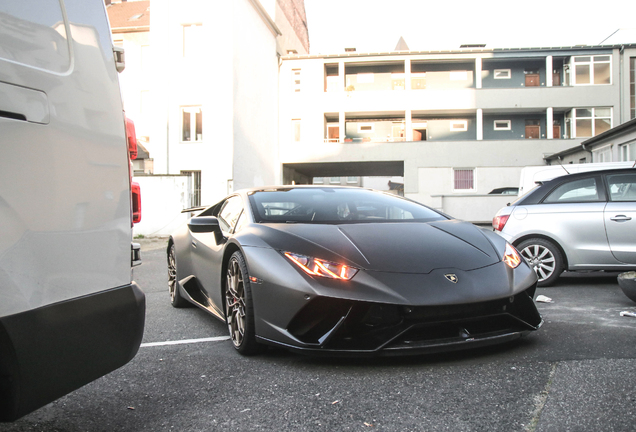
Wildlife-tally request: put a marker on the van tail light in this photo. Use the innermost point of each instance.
(135, 192)
(499, 222)
(131, 138)
(135, 189)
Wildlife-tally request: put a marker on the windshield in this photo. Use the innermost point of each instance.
(334, 205)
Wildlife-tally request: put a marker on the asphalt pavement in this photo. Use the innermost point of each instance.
(574, 374)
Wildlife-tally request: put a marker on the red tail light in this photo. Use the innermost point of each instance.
(132, 138)
(135, 191)
(498, 222)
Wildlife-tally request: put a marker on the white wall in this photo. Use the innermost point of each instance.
(162, 199)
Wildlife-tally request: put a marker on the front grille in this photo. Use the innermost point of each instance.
(353, 326)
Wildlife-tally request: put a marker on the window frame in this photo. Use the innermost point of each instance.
(592, 119)
(508, 71)
(506, 128)
(360, 125)
(187, 53)
(296, 80)
(463, 123)
(600, 192)
(296, 131)
(590, 64)
(193, 123)
(454, 180)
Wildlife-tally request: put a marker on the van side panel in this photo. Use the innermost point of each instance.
(69, 312)
(64, 197)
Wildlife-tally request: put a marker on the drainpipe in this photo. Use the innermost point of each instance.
(620, 82)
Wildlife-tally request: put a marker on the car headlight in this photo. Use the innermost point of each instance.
(511, 256)
(319, 267)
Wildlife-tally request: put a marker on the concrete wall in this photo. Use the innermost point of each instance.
(517, 73)
(162, 199)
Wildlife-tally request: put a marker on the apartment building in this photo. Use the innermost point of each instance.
(214, 81)
(201, 83)
(455, 124)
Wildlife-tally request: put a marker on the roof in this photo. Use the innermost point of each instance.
(472, 50)
(628, 126)
(129, 16)
(618, 130)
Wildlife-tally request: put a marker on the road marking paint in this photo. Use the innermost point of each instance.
(185, 341)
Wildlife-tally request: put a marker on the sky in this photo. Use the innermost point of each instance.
(376, 25)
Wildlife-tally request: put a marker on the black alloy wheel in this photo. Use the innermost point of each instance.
(173, 286)
(239, 311)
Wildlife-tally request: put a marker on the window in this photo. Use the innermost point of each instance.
(145, 58)
(632, 87)
(458, 125)
(418, 80)
(296, 80)
(463, 179)
(592, 70)
(318, 180)
(502, 74)
(458, 75)
(582, 190)
(333, 83)
(352, 179)
(194, 187)
(397, 81)
(333, 132)
(589, 122)
(602, 154)
(192, 40)
(191, 124)
(622, 187)
(628, 152)
(365, 78)
(334, 180)
(229, 213)
(502, 125)
(366, 127)
(296, 130)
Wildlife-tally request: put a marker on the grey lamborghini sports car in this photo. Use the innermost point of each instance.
(340, 270)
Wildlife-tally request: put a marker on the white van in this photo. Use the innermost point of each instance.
(533, 175)
(69, 310)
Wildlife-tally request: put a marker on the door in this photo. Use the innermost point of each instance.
(533, 129)
(207, 255)
(556, 131)
(556, 78)
(532, 79)
(620, 217)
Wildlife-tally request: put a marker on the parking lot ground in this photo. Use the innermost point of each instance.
(574, 374)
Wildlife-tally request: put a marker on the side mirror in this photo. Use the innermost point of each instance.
(206, 224)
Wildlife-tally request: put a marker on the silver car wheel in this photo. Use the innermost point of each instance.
(541, 259)
(235, 302)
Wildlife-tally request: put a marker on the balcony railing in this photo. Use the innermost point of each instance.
(364, 140)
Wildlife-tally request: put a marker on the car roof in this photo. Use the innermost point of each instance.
(536, 195)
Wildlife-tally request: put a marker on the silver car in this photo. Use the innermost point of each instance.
(584, 221)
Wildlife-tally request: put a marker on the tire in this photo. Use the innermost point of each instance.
(544, 257)
(173, 286)
(239, 310)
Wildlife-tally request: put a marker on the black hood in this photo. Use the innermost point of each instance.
(408, 247)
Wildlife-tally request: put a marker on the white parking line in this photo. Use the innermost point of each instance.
(185, 341)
